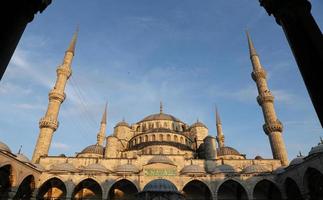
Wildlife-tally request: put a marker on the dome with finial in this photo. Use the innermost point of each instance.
(198, 124)
(68, 167)
(193, 169)
(256, 168)
(160, 185)
(4, 147)
(95, 167)
(223, 151)
(224, 168)
(93, 149)
(160, 159)
(160, 116)
(122, 123)
(317, 149)
(22, 158)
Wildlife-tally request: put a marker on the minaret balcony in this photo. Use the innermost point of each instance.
(273, 127)
(64, 70)
(260, 73)
(265, 97)
(47, 122)
(55, 95)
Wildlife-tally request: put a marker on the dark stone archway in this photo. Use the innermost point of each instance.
(26, 188)
(5, 181)
(52, 189)
(313, 180)
(86, 190)
(122, 190)
(292, 190)
(197, 190)
(266, 190)
(232, 190)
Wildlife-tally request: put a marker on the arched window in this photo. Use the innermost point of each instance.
(175, 138)
(153, 138)
(161, 137)
(168, 137)
(160, 150)
(165, 125)
(146, 138)
(157, 125)
(143, 127)
(182, 140)
(140, 139)
(150, 151)
(138, 128)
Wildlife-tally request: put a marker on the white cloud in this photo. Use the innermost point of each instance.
(60, 146)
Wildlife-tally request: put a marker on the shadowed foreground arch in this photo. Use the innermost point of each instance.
(122, 190)
(313, 181)
(197, 190)
(52, 189)
(5, 181)
(292, 190)
(266, 190)
(26, 188)
(232, 190)
(87, 189)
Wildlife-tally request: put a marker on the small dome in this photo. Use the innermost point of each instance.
(258, 158)
(224, 169)
(198, 124)
(296, 161)
(160, 116)
(127, 168)
(63, 167)
(255, 169)
(93, 149)
(160, 185)
(223, 151)
(160, 159)
(22, 158)
(4, 147)
(316, 149)
(122, 123)
(192, 169)
(279, 170)
(95, 167)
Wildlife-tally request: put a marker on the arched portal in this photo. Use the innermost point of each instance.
(122, 190)
(86, 190)
(5, 181)
(197, 190)
(52, 189)
(313, 180)
(266, 190)
(232, 190)
(26, 188)
(292, 190)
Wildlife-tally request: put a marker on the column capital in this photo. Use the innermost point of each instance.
(55, 95)
(257, 74)
(265, 96)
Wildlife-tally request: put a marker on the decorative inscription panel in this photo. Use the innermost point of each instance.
(160, 172)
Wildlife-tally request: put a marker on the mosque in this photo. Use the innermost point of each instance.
(160, 157)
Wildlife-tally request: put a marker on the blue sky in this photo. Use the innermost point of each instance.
(188, 54)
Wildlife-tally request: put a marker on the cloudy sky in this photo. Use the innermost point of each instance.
(134, 54)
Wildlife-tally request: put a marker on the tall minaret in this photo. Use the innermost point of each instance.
(48, 124)
(101, 134)
(272, 127)
(220, 136)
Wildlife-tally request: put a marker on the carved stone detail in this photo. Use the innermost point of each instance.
(47, 122)
(273, 127)
(265, 97)
(258, 74)
(54, 95)
(64, 71)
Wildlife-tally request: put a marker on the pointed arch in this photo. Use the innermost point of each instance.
(6, 180)
(196, 189)
(87, 189)
(266, 190)
(52, 189)
(122, 189)
(26, 188)
(292, 190)
(313, 182)
(232, 190)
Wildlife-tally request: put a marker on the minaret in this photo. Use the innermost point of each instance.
(220, 136)
(161, 108)
(49, 123)
(272, 127)
(101, 134)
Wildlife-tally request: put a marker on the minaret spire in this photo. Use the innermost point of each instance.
(71, 47)
(161, 107)
(220, 136)
(49, 123)
(103, 125)
(272, 127)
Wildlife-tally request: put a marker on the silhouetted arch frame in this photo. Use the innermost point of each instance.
(43, 190)
(312, 179)
(239, 183)
(82, 184)
(273, 193)
(120, 180)
(201, 182)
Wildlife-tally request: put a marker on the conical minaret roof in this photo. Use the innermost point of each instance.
(252, 49)
(71, 47)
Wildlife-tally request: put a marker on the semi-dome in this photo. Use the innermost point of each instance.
(93, 149)
(160, 185)
(223, 151)
(317, 149)
(160, 116)
(198, 124)
(160, 159)
(4, 147)
(127, 168)
(255, 169)
(95, 167)
(296, 161)
(22, 158)
(68, 167)
(224, 169)
(192, 169)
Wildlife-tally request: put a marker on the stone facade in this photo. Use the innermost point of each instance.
(159, 157)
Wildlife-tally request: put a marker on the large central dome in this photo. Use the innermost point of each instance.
(160, 116)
